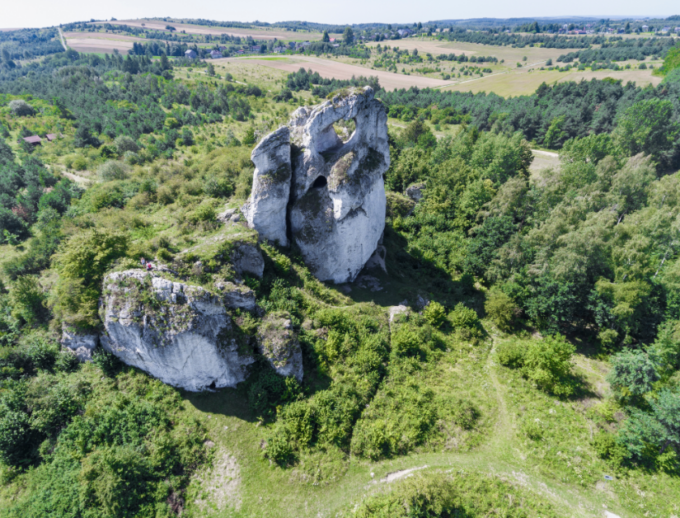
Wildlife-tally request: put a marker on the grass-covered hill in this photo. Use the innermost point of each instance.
(538, 350)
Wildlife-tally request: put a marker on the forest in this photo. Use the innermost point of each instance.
(541, 307)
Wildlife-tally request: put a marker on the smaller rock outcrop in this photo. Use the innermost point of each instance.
(247, 258)
(236, 296)
(81, 344)
(179, 333)
(278, 343)
(415, 191)
(266, 208)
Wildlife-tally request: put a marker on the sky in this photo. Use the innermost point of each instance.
(43, 13)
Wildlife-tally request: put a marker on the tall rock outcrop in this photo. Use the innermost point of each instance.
(176, 332)
(336, 210)
(266, 209)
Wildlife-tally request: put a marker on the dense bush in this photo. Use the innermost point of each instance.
(448, 495)
(545, 362)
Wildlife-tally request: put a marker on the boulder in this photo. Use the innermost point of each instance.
(265, 211)
(235, 296)
(335, 205)
(278, 343)
(415, 191)
(179, 333)
(82, 344)
(247, 258)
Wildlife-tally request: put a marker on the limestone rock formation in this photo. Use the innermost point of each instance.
(266, 209)
(278, 343)
(81, 344)
(236, 296)
(336, 210)
(247, 258)
(176, 332)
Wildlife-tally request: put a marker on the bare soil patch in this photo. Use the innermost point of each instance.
(220, 484)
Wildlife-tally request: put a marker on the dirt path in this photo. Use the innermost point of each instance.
(61, 37)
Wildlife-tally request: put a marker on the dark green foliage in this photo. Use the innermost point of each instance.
(633, 373)
(267, 390)
(107, 362)
(303, 80)
(124, 456)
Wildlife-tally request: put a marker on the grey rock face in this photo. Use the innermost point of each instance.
(247, 258)
(266, 208)
(336, 205)
(278, 343)
(415, 191)
(82, 344)
(338, 214)
(235, 296)
(178, 333)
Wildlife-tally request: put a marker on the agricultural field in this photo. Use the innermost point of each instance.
(257, 33)
(99, 42)
(337, 69)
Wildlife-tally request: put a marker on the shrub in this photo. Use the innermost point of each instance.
(113, 170)
(21, 108)
(28, 300)
(82, 263)
(107, 362)
(607, 447)
(511, 354)
(204, 212)
(464, 317)
(426, 495)
(125, 144)
(79, 163)
(435, 314)
(501, 309)
(548, 364)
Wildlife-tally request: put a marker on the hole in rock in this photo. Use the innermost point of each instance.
(344, 129)
(212, 385)
(320, 182)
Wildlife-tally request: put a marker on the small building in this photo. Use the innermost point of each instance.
(645, 28)
(279, 50)
(332, 40)
(215, 54)
(51, 137)
(34, 140)
(190, 54)
(255, 48)
(240, 51)
(666, 30)
(404, 33)
(677, 29)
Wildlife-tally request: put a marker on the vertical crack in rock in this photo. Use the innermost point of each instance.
(337, 222)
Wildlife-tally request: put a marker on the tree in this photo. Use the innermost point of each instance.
(348, 36)
(548, 364)
(633, 373)
(21, 108)
(85, 138)
(659, 428)
(165, 63)
(325, 38)
(211, 70)
(647, 127)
